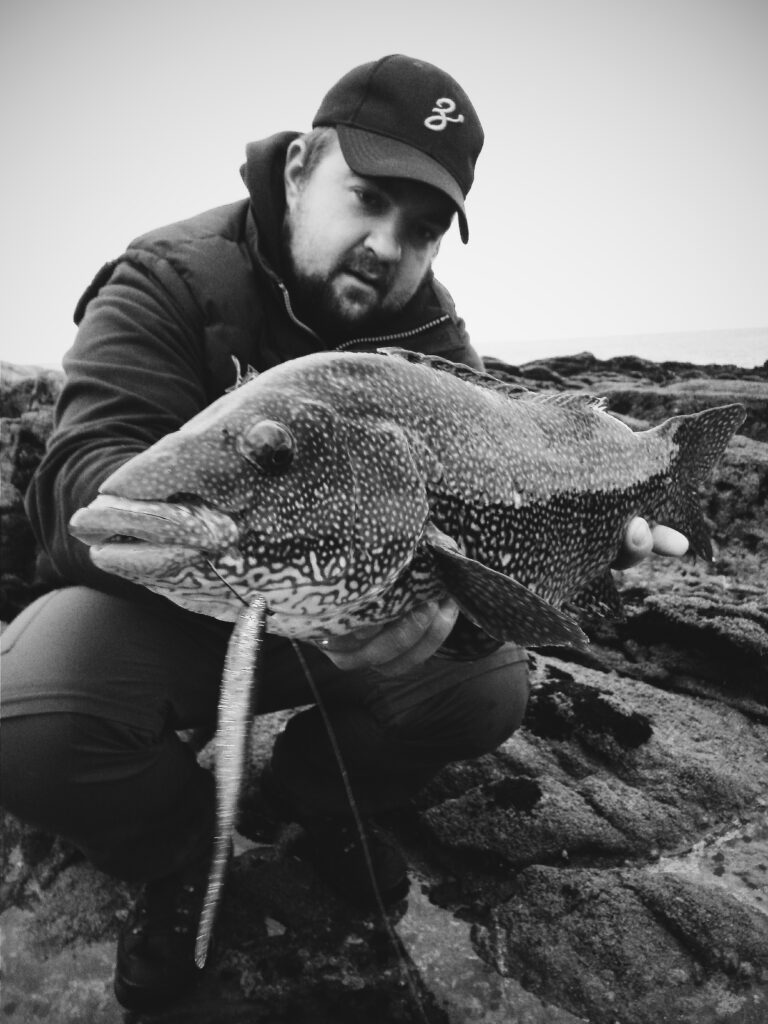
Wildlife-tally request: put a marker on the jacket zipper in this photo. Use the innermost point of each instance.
(399, 336)
(292, 315)
(380, 339)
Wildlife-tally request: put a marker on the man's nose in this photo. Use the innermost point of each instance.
(384, 239)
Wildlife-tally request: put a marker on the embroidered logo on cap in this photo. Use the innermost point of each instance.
(440, 116)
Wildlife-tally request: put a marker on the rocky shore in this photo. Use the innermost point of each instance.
(607, 864)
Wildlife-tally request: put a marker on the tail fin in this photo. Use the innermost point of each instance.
(700, 439)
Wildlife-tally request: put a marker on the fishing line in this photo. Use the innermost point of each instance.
(226, 583)
(407, 968)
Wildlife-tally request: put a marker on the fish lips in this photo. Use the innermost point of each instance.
(145, 539)
(145, 562)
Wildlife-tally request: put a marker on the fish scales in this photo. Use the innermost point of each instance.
(402, 478)
(488, 443)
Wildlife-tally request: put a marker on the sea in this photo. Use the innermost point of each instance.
(747, 347)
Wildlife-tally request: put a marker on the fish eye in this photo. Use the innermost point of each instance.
(267, 445)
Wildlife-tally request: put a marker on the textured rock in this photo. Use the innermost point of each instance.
(628, 946)
(612, 768)
(690, 396)
(27, 397)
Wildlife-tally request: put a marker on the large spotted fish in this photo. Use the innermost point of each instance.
(345, 488)
(342, 489)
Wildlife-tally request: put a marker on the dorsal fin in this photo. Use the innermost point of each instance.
(478, 377)
(240, 377)
(578, 398)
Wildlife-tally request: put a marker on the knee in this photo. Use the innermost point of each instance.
(495, 707)
(33, 765)
(59, 769)
(475, 714)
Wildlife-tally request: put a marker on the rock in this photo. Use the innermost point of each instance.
(738, 499)
(27, 397)
(621, 768)
(647, 392)
(25, 388)
(676, 398)
(607, 863)
(630, 946)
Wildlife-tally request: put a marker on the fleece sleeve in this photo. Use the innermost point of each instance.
(135, 372)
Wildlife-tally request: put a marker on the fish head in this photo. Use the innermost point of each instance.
(275, 489)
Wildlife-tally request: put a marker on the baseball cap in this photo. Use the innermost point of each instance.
(399, 117)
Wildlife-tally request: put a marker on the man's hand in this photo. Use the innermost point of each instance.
(640, 540)
(397, 646)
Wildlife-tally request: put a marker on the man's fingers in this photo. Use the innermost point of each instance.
(640, 540)
(400, 645)
(431, 640)
(351, 642)
(637, 544)
(667, 541)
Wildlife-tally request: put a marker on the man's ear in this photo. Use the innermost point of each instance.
(294, 166)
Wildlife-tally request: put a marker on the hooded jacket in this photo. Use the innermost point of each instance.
(168, 327)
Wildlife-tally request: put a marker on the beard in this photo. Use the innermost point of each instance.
(317, 303)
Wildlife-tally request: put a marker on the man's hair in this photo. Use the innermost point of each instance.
(317, 142)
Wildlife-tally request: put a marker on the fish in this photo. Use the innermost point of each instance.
(339, 490)
(347, 488)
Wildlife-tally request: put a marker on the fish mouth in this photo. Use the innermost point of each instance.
(151, 538)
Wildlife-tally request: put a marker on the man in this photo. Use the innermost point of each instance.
(332, 249)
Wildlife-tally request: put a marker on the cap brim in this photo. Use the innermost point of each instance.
(378, 156)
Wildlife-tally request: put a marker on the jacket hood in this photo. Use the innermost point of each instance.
(262, 174)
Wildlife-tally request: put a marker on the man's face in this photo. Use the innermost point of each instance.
(358, 248)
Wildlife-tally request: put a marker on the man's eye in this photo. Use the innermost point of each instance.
(370, 200)
(428, 233)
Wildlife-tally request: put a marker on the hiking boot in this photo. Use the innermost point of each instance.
(363, 870)
(156, 947)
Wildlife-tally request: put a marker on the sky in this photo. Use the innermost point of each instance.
(621, 190)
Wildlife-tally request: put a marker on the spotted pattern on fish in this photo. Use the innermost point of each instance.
(409, 478)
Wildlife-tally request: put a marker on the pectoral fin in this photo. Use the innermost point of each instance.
(498, 604)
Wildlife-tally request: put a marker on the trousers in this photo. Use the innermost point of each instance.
(96, 688)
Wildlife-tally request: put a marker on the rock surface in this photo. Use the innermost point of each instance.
(609, 863)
